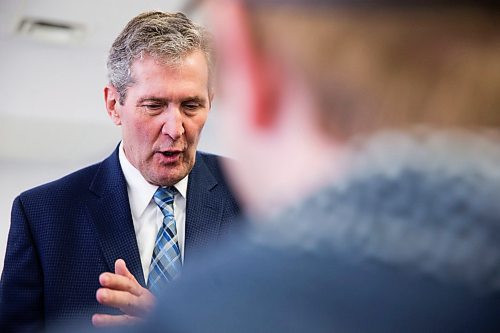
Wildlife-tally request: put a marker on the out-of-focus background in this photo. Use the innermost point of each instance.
(52, 73)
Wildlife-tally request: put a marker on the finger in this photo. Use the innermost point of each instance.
(125, 301)
(119, 282)
(115, 298)
(121, 269)
(106, 320)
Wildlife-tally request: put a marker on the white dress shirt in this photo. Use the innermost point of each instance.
(146, 215)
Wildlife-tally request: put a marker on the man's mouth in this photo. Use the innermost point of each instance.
(170, 156)
(170, 153)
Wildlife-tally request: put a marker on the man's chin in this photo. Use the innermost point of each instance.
(169, 179)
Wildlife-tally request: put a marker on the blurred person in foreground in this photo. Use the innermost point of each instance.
(368, 142)
(96, 244)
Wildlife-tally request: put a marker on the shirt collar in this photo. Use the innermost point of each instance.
(139, 190)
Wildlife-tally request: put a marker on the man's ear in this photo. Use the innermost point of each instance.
(111, 98)
(243, 62)
(211, 96)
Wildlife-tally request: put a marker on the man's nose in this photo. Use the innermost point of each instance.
(172, 122)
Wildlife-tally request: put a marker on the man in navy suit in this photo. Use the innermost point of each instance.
(81, 246)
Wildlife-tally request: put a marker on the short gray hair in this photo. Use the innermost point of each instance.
(169, 37)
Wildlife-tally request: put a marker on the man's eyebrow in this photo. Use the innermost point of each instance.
(152, 99)
(165, 101)
(196, 99)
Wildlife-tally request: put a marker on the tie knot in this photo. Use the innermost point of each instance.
(164, 198)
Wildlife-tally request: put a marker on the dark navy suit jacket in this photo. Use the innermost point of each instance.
(67, 232)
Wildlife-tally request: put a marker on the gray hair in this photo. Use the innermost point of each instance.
(169, 37)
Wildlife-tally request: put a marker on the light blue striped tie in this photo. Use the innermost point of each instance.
(166, 260)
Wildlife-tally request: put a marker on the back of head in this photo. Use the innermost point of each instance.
(373, 65)
(379, 64)
(168, 37)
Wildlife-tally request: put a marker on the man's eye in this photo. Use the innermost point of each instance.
(153, 108)
(191, 106)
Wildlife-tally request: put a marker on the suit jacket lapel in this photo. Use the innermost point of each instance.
(204, 207)
(110, 209)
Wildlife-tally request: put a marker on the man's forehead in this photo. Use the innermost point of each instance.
(187, 79)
